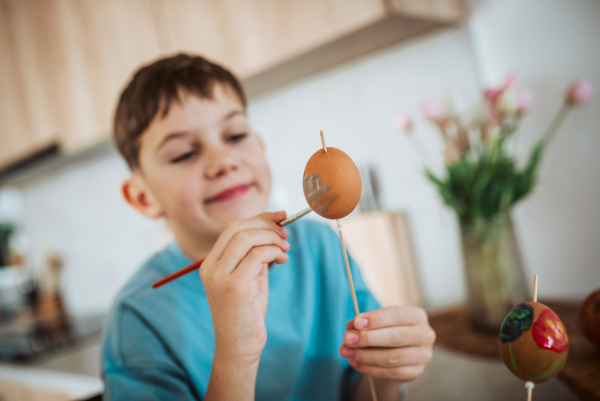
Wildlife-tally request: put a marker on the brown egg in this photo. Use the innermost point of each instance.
(331, 183)
(533, 342)
(590, 317)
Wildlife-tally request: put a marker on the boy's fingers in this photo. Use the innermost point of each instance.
(257, 259)
(391, 316)
(400, 336)
(388, 357)
(276, 217)
(402, 373)
(265, 221)
(244, 241)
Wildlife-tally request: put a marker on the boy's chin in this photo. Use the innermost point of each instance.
(225, 214)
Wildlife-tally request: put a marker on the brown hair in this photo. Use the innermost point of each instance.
(152, 90)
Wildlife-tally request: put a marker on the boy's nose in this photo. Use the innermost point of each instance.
(220, 163)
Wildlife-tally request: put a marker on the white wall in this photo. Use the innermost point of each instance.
(77, 211)
(77, 208)
(546, 44)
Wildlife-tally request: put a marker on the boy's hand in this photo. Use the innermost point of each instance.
(392, 343)
(235, 278)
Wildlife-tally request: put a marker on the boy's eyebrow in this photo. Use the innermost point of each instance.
(232, 114)
(179, 134)
(172, 135)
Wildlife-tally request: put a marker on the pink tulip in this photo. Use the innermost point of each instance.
(579, 92)
(524, 98)
(492, 94)
(403, 121)
(433, 110)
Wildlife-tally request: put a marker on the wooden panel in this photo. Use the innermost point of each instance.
(251, 35)
(380, 242)
(368, 39)
(62, 66)
(13, 391)
(100, 44)
(28, 118)
(431, 10)
(64, 62)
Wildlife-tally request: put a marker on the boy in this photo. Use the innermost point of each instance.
(181, 126)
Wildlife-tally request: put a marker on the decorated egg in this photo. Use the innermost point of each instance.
(533, 342)
(331, 183)
(590, 317)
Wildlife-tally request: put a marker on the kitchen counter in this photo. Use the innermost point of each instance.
(73, 373)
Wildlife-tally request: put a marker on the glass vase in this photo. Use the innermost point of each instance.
(493, 270)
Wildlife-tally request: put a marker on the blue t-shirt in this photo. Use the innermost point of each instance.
(159, 343)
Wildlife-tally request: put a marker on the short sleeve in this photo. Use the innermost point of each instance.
(137, 365)
(151, 383)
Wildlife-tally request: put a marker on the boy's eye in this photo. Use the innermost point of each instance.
(236, 137)
(184, 156)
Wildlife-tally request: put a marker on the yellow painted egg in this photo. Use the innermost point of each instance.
(331, 183)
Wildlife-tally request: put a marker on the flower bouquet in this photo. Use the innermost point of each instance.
(483, 181)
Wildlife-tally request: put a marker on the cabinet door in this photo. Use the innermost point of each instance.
(28, 118)
(99, 45)
(63, 64)
(432, 10)
(251, 35)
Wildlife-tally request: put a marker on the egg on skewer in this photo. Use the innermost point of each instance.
(533, 342)
(331, 183)
(332, 187)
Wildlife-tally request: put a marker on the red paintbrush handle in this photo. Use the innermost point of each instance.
(178, 274)
(197, 264)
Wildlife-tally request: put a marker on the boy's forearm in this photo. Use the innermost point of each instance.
(232, 380)
(387, 390)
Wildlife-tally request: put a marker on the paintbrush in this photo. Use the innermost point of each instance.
(196, 265)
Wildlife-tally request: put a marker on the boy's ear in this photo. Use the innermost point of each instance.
(139, 197)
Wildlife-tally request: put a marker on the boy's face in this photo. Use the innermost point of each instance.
(202, 166)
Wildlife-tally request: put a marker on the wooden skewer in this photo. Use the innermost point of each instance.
(354, 300)
(348, 272)
(196, 265)
(323, 141)
(529, 386)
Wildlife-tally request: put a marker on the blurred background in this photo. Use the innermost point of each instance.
(344, 67)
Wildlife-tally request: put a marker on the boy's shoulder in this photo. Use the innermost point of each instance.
(139, 310)
(162, 263)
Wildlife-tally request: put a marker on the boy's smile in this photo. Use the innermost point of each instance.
(200, 167)
(230, 193)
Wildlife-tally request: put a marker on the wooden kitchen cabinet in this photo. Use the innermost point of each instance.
(28, 113)
(251, 35)
(62, 66)
(64, 62)
(99, 44)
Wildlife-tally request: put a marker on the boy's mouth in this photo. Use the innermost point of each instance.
(230, 193)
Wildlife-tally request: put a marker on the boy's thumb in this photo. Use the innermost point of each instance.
(276, 216)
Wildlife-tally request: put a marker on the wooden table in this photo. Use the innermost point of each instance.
(581, 373)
